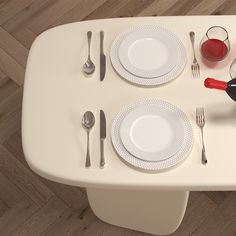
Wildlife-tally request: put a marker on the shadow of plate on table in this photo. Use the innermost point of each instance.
(222, 113)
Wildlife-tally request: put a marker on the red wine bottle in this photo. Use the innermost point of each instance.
(229, 87)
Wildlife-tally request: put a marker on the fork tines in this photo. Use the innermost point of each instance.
(200, 117)
(195, 69)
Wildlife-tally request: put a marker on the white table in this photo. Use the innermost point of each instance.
(56, 95)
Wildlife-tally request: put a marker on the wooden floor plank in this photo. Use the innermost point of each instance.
(47, 17)
(17, 25)
(7, 86)
(94, 226)
(218, 197)
(113, 8)
(25, 16)
(229, 228)
(71, 196)
(220, 219)
(10, 113)
(228, 7)
(8, 9)
(157, 8)
(13, 48)
(9, 192)
(3, 208)
(25, 37)
(11, 68)
(18, 207)
(43, 218)
(181, 7)
(9, 123)
(72, 218)
(72, 222)
(206, 7)
(24, 178)
(14, 145)
(79, 12)
(195, 215)
(15, 217)
(2, 77)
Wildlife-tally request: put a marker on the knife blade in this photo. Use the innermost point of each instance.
(102, 137)
(102, 58)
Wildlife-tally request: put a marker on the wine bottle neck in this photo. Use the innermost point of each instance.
(216, 84)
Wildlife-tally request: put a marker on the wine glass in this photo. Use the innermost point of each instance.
(232, 69)
(215, 44)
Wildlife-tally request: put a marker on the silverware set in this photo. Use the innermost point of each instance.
(88, 122)
(88, 119)
(89, 67)
(195, 65)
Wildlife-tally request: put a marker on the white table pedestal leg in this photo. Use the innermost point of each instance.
(154, 212)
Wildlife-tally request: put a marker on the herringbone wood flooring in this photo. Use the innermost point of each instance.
(31, 205)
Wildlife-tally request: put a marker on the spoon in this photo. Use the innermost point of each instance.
(88, 122)
(89, 67)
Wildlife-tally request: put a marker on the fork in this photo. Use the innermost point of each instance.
(195, 66)
(200, 120)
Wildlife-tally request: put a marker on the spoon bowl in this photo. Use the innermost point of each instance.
(88, 122)
(88, 67)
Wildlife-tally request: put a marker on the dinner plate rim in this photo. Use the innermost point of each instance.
(179, 157)
(121, 71)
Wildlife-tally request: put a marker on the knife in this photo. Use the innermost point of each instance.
(102, 137)
(102, 57)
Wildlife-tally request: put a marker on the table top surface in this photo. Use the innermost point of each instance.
(56, 95)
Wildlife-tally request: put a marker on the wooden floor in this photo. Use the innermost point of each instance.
(31, 205)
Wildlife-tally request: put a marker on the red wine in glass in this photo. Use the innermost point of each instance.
(215, 44)
(229, 87)
(214, 49)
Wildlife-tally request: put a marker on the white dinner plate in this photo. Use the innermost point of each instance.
(176, 158)
(120, 69)
(148, 53)
(152, 133)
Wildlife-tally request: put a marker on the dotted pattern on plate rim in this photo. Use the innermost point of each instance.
(159, 165)
(182, 59)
